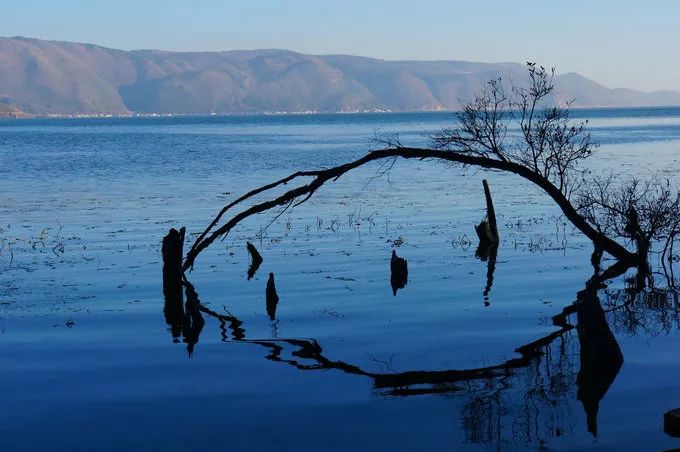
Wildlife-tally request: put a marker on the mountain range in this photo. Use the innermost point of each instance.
(39, 77)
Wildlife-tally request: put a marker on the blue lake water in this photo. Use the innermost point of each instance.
(88, 362)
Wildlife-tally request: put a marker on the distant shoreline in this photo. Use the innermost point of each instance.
(283, 114)
(76, 80)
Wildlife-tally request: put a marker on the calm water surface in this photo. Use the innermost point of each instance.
(90, 361)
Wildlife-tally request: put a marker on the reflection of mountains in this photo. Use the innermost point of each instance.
(542, 371)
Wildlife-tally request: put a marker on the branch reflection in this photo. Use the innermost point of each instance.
(519, 402)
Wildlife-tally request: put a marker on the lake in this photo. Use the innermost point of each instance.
(93, 358)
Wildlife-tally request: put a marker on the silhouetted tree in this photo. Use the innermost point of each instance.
(639, 211)
(546, 148)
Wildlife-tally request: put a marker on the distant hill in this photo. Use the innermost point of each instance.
(47, 77)
(10, 111)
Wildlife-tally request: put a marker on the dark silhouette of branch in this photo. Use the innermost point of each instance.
(636, 210)
(547, 152)
(320, 177)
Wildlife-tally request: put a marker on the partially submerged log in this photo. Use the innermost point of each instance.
(398, 272)
(272, 297)
(255, 260)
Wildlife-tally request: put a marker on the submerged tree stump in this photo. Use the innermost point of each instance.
(487, 229)
(172, 250)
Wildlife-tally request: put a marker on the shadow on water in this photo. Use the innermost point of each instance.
(544, 373)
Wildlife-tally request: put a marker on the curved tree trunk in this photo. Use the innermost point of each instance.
(320, 177)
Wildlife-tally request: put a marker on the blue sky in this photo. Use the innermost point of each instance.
(620, 43)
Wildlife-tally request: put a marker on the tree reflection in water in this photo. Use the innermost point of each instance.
(524, 401)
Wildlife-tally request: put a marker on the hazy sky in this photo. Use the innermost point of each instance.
(620, 43)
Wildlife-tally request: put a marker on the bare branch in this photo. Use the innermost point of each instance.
(323, 176)
(546, 148)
